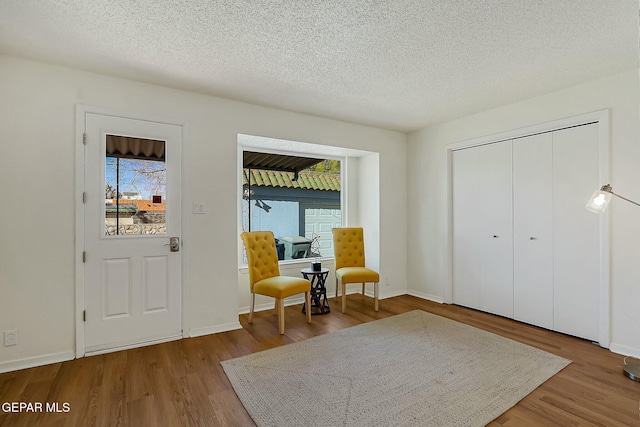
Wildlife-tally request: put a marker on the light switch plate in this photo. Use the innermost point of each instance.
(199, 208)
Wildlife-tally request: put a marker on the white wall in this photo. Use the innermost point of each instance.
(427, 184)
(369, 208)
(37, 138)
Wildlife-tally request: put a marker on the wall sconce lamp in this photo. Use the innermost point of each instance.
(599, 201)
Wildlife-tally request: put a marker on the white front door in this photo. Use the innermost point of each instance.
(131, 215)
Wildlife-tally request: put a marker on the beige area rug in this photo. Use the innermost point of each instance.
(413, 369)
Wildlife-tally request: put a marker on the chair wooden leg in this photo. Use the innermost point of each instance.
(375, 296)
(336, 288)
(363, 288)
(344, 297)
(307, 297)
(253, 302)
(280, 305)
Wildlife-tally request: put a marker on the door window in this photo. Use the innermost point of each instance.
(135, 187)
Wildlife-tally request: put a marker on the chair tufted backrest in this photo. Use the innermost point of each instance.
(348, 247)
(262, 258)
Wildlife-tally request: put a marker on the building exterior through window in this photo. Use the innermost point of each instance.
(300, 207)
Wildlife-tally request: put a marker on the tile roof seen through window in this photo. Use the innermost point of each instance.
(306, 180)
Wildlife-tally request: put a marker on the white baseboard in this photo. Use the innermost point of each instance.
(215, 329)
(383, 295)
(624, 350)
(271, 305)
(429, 297)
(351, 289)
(31, 362)
(291, 301)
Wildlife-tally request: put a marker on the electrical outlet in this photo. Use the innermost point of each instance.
(10, 337)
(386, 281)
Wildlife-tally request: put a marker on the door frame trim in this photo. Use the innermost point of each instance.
(81, 113)
(602, 117)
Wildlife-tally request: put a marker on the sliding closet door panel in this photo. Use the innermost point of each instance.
(533, 230)
(466, 260)
(494, 211)
(576, 232)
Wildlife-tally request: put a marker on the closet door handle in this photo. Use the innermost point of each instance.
(495, 236)
(533, 238)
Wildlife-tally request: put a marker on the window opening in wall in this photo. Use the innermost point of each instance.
(135, 186)
(297, 198)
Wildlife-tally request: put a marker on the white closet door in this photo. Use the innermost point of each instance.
(466, 260)
(533, 230)
(494, 210)
(576, 232)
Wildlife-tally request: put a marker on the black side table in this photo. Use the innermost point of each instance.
(319, 302)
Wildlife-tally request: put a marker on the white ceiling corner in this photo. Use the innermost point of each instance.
(396, 64)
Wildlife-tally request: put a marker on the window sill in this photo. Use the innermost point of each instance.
(290, 263)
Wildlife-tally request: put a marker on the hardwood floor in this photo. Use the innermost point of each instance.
(181, 383)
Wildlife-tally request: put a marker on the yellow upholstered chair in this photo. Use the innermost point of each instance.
(265, 278)
(348, 246)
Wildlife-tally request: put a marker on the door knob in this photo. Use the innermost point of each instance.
(174, 244)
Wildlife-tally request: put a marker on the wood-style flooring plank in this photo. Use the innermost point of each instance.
(182, 383)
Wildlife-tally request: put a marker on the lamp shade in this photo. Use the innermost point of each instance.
(599, 201)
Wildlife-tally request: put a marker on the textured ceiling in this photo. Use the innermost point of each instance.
(397, 64)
